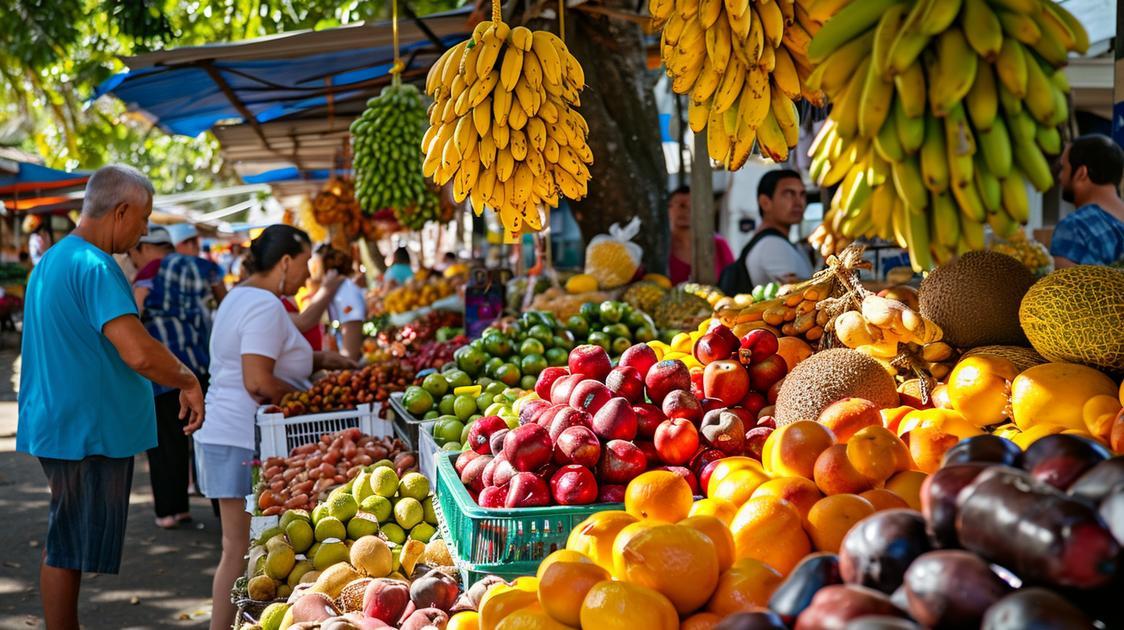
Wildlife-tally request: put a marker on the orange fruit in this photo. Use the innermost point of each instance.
(719, 535)
(502, 600)
(612, 605)
(746, 584)
(769, 529)
(876, 453)
(800, 492)
(530, 618)
(728, 465)
(563, 587)
(723, 509)
(793, 350)
(791, 450)
(883, 499)
(700, 621)
(979, 388)
(595, 535)
(465, 620)
(659, 495)
(737, 486)
(562, 555)
(677, 561)
(623, 537)
(832, 517)
(907, 485)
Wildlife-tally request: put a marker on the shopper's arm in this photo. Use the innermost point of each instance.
(1061, 262)
(219, 289)
(140, 294)
(328, 360)
(152, 360)
(319, 302)
(258, 378)
(352, 343)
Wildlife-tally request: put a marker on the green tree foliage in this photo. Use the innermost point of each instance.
(53, 53)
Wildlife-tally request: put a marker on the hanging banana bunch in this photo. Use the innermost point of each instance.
(744, 64)
(943, 111)
(504, 124)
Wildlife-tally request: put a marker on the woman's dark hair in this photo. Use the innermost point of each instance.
(274, 243)
(402, 256)
(336, 259)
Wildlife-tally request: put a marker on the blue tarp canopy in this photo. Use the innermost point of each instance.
(189, 90)
(291, 174)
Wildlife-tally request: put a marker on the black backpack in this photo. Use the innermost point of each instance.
(735, 277)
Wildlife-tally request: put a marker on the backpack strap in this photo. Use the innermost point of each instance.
(761, 234)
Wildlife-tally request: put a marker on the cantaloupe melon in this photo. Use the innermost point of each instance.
(1076, 315)
(975, 299)
(832, 375)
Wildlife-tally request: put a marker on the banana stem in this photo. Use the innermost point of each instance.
(497, 16)
(396, 69)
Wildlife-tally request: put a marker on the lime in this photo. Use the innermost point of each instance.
(430, 415)
(490, 330)
(636, 319)
(557, 357)
(467, 427)
(494, 388)
(564, 340)
(423, 532)
(528, 381)
(435, 384)
(600, 339)
(549, 319)
(483, 401)
(417, 400)
(470, 360)
(457, 378)
(512, 421)
(531, 346)
(447, 430)
(610, 312)
(497, 345)
(463, 407)
(532, 364)
(394, 533)
(541, 332)
(617, 330)
(413, 485)
(430, 515)
(620, 344)
(509, 374)
(492, 365)
(483, 382)
(445, 405)
(644, 334)
(578, 325)
(589, 311)
(378, 505)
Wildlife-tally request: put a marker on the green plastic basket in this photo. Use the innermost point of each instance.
(503, 542)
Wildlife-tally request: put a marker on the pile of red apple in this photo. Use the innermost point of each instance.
(597, 427)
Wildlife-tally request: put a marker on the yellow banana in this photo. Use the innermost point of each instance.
(907, 181)
(784, 110)
(433, 77)
(741, 147)
(660, 10)
(1049, 140)
(501, 106)
(797, 39)
(532, 69)
(821, 10)
(918, 238)
(522, 38)
(911, 90)
(956, 65)
(841, 65)
(1001, 224)
(1055, 41)
(754, 101)
(846, 110)
(697, 115)
(754, 45)
(939, 15)
(983, 99)
(771, 139)
(881, 207)
(971, 232)
(487, 150)
(511, 68)
(718, 47)
(961, 147)
(884, 35)
(971, 206)
(1011, 65)
(990, 189)
(899, 222)
(1015, 201)
(482, 117)
(1080, 43)
(769, 59)
(1017, 6)
(489, 55)
(687, 8)
(772, 20)
(981, 27)
(683, 81)
(1039, 99)
(709, 11)
(946, 222)
(850, 21)
(1034, 165)
(874, 102)
(910, 40)
(886, 142)
(1061, 106)
(547, 56)
(911, 131)
(740, 24)
(934, 157)
(785, 76)
(737, 8)
(995, 145)
(706, 83)
(730, 88)
(451, 69)
(717, 140)
(1020, 26)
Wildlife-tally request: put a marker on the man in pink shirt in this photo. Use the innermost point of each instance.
(682, 244)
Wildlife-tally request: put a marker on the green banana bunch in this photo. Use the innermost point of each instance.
(944, 111)
(388, 172)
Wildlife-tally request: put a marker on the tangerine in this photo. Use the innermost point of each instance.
(723, 509)
(747, 584)
(561, 555)
(594, 536)
(769, 529)
(563, 587)
(612, 605)
(800, 492)
(832, 517)
(658, 495)
(718, 533)
(677, 561)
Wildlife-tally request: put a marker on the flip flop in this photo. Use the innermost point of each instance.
(166, 522)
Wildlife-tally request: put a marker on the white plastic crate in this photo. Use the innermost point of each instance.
(279, 435)
(427, 451)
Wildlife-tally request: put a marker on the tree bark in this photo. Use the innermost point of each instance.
(629, 177)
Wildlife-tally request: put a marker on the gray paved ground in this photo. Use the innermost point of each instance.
(165, 580)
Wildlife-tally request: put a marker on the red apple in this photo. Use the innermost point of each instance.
(562, 388)
(573, 485)
(676, 440)
(649, 450)
(749, 420)
(703, 457)
(717, 345)
(546, 471)
(755, 441)
(704, 474)
(774, 391)
(615, 420)
(566, 418)
(648, 417)
(480, 433)
(666, 377)
(463, 459)
(727, 381)
(640, 357)
(686, 474)
(754, 402)
(589, 396)
(756, 345)
(767, 421)
(769, 370)
(697, 374)
(492, 497)
(710, 404)
(496, 441)
(626, 381)
(546, 380)
(724, 431)
(487, 477)
(545, 418)
(681, 404)
(503, 472)
(532, 410)
(528, 447)
(590, 360)
(611, 492)
(527, 490)
(578, 445)
(621, 461)
(473, 475)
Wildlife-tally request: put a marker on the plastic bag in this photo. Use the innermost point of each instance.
(613, 258)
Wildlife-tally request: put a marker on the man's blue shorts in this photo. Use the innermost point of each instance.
(89, 507)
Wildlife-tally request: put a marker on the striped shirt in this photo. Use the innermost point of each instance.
(1089, 236)
(174, 310)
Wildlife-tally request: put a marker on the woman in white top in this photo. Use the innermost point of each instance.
(348, 308)
(257, 356)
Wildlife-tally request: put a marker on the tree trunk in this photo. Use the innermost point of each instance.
(629, 177)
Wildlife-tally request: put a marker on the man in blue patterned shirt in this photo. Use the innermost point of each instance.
(170, 292)
(1092, 167)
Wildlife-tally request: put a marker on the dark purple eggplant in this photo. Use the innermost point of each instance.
(834, 607)
(878, 549)
(938, 501)
(1032, 529)
(984, 449)
(1035, 609)
(951, 589)
(1098, 481)
(1060, 459)
(814, 572)
(757, 620)
(880, 622)
(1112, 511)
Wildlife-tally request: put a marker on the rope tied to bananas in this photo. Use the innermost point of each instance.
(398, 66)
(497, 15)
(847, 292)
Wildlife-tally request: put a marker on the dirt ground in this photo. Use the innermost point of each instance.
(165, 579)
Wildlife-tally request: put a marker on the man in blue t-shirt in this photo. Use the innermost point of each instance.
(1092, 167)
(85, 400)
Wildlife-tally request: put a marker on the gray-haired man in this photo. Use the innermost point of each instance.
(85, 403)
